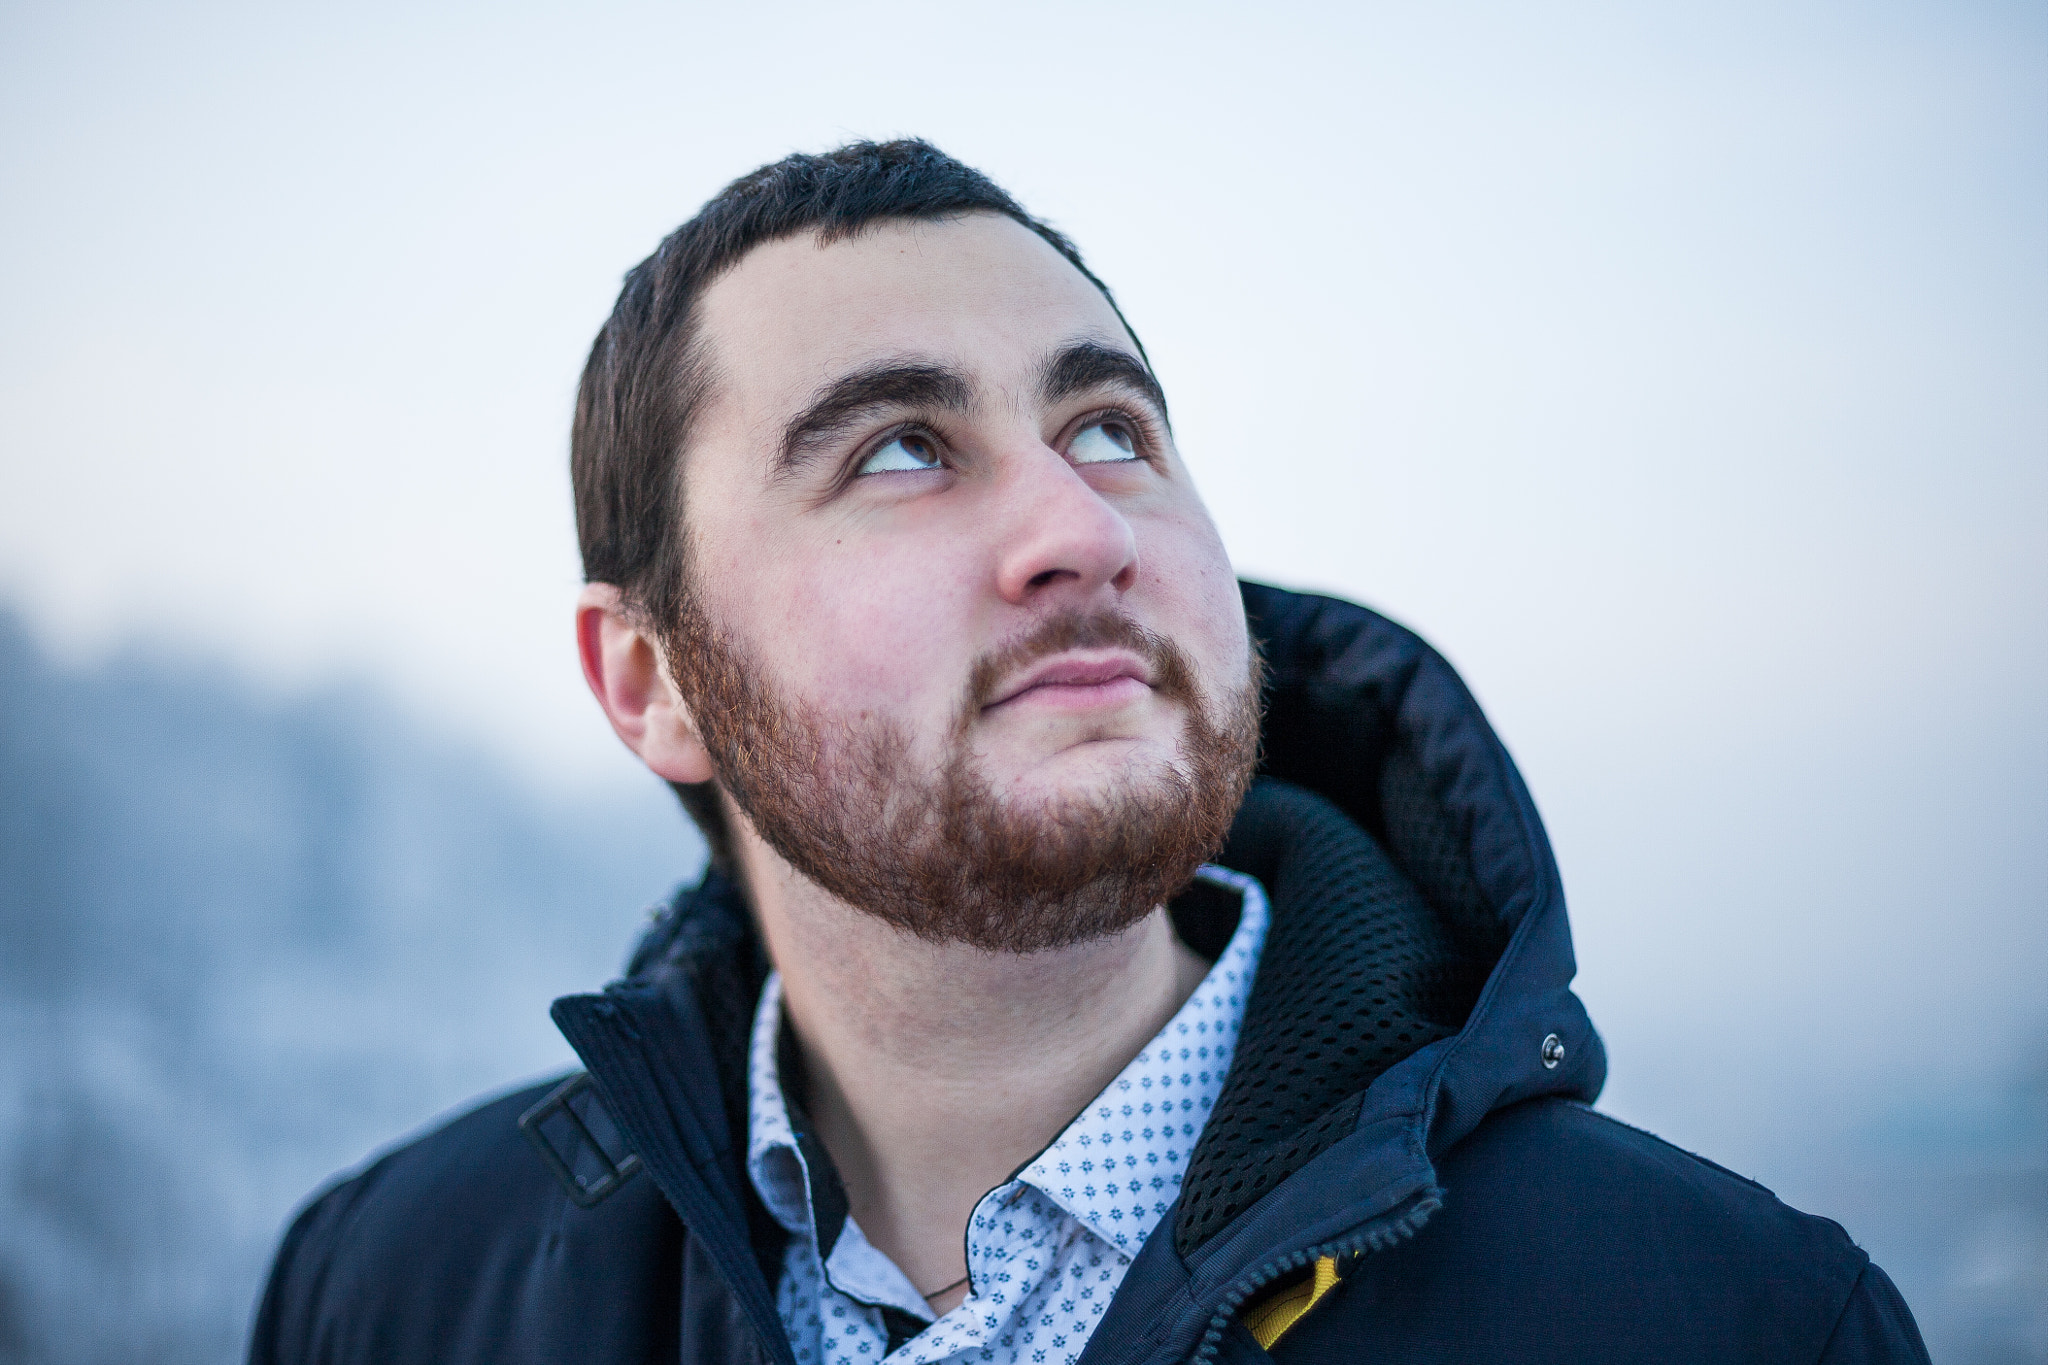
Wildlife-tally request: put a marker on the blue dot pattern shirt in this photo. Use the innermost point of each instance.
(1047, 1249)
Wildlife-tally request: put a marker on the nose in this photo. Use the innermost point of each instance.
(1059, 536)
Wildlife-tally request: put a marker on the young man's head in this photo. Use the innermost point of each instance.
(890, 547)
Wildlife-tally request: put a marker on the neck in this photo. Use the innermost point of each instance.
(934, 1071)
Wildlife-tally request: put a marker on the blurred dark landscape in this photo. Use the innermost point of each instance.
(250, 939)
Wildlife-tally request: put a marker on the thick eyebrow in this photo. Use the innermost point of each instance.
(890, 384)
(1086, 365)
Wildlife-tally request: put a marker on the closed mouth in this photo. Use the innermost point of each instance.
(1080, 675)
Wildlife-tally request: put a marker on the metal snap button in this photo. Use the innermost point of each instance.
(1553, 1051)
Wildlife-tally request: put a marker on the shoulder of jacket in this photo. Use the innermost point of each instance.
(1608, 1172)
(1566, 1235)
(476, 1168)
(357, 1259)
(445, 1246)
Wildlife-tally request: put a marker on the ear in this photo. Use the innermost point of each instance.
(627, 673)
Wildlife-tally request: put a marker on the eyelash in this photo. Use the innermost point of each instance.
(895, 433)
(1144, 436)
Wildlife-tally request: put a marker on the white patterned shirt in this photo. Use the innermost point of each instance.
(1045, 1249)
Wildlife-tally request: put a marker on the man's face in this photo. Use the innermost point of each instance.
(941, 542)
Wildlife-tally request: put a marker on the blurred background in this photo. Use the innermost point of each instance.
(1680, 372)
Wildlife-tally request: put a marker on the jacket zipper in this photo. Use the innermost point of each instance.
(1383, 1232)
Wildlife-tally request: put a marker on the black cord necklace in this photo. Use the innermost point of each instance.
(947, 1289)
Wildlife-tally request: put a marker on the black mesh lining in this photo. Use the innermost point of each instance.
(1419, 835)
(1337, 678)
(1205, 916)
(1358, 972)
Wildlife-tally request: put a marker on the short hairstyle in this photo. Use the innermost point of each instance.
(647, 374)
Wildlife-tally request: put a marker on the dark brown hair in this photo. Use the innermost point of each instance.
(647, 375)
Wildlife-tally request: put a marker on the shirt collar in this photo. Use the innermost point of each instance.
(1111, 1166)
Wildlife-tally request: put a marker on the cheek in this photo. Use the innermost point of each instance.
(859, 628)
(1188, 573)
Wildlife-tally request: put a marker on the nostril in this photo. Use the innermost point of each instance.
(1040, 580)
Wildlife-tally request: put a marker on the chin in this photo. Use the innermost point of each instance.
(1095, 772)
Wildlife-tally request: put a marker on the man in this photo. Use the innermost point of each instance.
(959, 1052)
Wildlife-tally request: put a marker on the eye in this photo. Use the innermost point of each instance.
(1102, 443)
(910, 450)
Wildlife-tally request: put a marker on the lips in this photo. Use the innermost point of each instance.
(1079, 676)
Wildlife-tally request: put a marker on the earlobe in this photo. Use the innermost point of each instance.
(624, 666)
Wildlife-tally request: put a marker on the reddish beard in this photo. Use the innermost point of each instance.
(937, 853)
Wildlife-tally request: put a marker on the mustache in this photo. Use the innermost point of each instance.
(1173, 674)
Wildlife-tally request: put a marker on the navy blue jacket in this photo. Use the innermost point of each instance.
(1404, 1138)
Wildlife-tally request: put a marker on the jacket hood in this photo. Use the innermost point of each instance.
(1416, 977)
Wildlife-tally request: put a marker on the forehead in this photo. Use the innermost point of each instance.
(981, 292)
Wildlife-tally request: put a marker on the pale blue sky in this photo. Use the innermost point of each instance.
(1681, 372)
